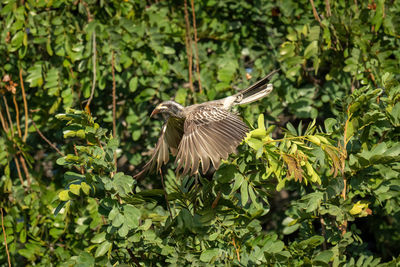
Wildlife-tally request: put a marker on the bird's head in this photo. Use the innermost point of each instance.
(170, 107)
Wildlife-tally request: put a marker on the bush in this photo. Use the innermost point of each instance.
(315, 182)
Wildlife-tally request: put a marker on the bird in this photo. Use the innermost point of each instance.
(202, 133)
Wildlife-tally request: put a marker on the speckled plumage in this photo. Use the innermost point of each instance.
(203, 134)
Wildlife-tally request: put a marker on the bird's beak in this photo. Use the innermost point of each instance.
(158, 109)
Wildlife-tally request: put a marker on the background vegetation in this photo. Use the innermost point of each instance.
(316, 182)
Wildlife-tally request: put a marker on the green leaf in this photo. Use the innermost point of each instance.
(311, 50)
(103, 248)
(225, 173)
(132, 216)
(118, 220)
(85, 260)
(291, 128)
(59, 207)
(123, 230)
(122, 183)
(16, 40)
(274, 246)
(254, 198)
(85, 188)
(168, 50)
(260, 122)
(99, 238)
(133, 83)
(64, 195)
(75, 189)
(238, 182)
(255, 144)
(209, 254)
(323, 257)
(181, 96)
(225, 74)
(22, 235)
(244, 193)
(329, 124)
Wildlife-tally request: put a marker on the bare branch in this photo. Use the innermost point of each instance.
(188, 42)
(316, 16)
(195, 46)
(47, 140)
(25, 106)
(328, 8)
(17, 116)
(8, 116)
(94, 56)
(5, 237)
(114, 103)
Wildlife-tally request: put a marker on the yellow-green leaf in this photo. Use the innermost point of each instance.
(314, 140)
(358, 208)
(85, 188)
(63, 195)
(75, 189)
(260, 122)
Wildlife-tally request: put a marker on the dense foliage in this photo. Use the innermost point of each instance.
(316, 181)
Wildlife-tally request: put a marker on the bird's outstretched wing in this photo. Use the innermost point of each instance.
(170, 137)
(210, 133)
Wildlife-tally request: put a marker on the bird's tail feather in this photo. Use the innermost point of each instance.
(256, 91)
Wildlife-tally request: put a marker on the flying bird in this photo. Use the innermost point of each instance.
(202, 133)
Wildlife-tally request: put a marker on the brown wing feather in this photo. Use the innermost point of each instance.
(210, 133)
(170, 137)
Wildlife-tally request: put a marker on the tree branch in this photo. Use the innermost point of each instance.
(114, 103)
(25, 106)
(47, 140)
(195, 46)
(5, 238)
(188, 42)
(94, 56)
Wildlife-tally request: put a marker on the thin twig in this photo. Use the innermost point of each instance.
(102, 216)
(328, 8)
(316, 16)
(215, 202)
(195, 46)
(6, 129)
(355, 3)
(18, 170)
(323, 232)
(189, 46)
(17, 115)
(25, 168)
(236, 248)
(114, 103)
(165, 194)
(47, 140)
(94, 56)
(76, 154)
(87, 10)
(343, 156)
(8, 116)
(3, 121)
(25, 106)
(134, 259)
(5, 237)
